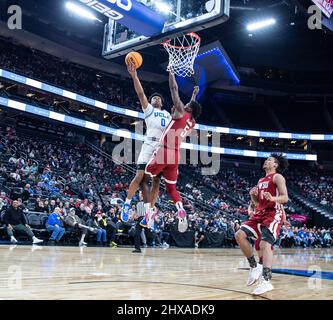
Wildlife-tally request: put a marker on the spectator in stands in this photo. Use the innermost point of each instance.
(16, 177)
(155, 231)
(27, 191)
(163, 234)
(21, 205)
(41, 208)
(100, 223)
(327, 239)
(302, 237)
(13, 160)
(2, 205)
(81, 211)
(68, 192)
(75, 222)
(5, 200)
(54, 225)
(16, 221)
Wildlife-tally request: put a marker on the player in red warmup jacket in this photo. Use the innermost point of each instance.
(166, 157)
(268, 197)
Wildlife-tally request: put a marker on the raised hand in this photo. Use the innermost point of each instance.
(131, 68)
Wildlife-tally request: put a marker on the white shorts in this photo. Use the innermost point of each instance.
(146, 153)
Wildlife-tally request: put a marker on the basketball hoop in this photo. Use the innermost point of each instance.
(182, 52)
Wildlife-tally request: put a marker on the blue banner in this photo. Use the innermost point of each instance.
(131, 113)
(134, 136)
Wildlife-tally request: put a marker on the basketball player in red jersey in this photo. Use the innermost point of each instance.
(268, 197)
(166, 157)
(252, 211)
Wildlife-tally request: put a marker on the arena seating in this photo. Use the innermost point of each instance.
(58, 171)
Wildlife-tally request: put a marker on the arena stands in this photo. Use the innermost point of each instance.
(43, 173)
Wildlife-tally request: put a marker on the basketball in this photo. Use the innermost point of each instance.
(136, 57)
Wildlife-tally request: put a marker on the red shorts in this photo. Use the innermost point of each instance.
(271, 219)
(164, 161)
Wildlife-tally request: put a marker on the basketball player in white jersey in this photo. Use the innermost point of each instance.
(156, 121)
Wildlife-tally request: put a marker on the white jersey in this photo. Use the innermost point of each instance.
(156, 121)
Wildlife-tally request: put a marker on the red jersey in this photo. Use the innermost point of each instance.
(176, 131)
(266, 184)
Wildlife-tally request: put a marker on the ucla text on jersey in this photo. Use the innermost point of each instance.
(161, 115)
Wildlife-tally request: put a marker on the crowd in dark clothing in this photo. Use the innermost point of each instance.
(316, 185)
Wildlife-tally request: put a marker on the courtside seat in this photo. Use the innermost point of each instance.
(37, 223)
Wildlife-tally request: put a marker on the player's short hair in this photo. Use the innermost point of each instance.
(196, 109)
(156, 94)
(281, 161)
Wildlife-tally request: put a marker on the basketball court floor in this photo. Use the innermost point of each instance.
(28, 272)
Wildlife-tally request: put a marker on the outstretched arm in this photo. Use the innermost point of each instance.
(179, 109)
(137, 86)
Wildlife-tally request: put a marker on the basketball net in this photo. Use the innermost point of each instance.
(182, 52)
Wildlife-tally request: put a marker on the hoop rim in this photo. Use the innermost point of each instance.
(192, 34)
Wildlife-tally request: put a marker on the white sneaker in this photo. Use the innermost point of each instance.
(82, 244)
(36, 240)
(263, 287)
(13, 240)
(254, 274)
(182, 221)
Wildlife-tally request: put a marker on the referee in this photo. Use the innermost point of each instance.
(140, 214)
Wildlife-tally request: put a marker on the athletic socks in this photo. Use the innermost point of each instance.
(147, 207)
(252, 262)
(267, 273)
(179, 205)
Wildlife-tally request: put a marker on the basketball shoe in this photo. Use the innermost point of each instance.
(254, 274)
(124, 215)
(182, 221)
(263, 287)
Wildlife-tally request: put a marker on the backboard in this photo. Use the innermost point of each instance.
(182, 16)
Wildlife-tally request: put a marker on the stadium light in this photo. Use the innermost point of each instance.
(260, 24)
(81, 11)
(163, 7)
